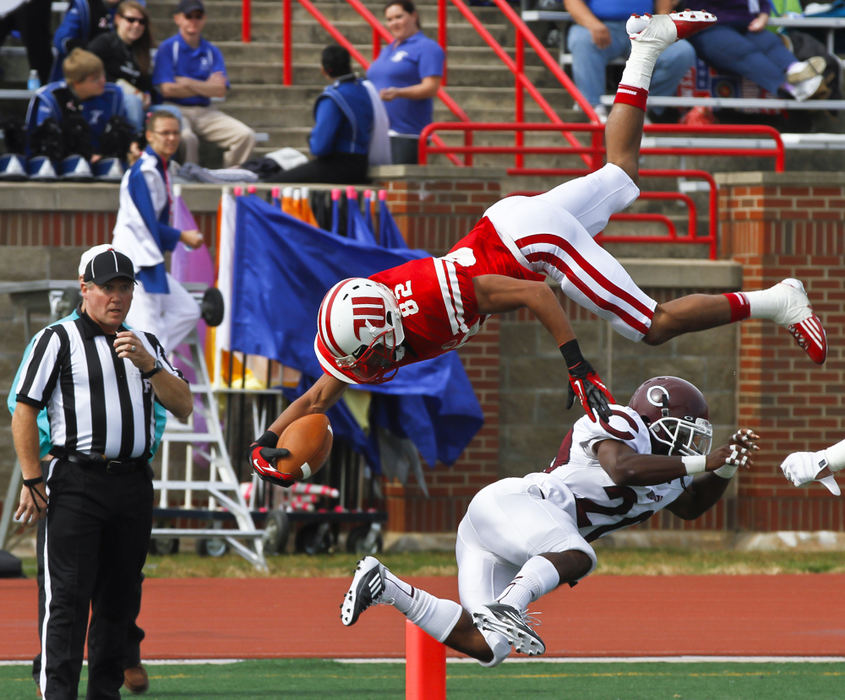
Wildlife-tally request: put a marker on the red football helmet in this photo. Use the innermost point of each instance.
(359, 332)
(676, 414)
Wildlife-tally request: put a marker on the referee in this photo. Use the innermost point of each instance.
(98, 382)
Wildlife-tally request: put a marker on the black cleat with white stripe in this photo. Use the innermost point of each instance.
(514, 625)
(367, 586)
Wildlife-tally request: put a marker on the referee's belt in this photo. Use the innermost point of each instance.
(112, 466)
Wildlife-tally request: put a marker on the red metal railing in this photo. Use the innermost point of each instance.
(246, 21)
(597, 154)
(672, 232)
(596, 149)
(522, 83)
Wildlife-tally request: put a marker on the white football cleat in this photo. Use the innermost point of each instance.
(508, 621)
(367, 586)
(667, 29)
(797, 316)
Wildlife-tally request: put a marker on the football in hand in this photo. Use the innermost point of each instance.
(309, 441)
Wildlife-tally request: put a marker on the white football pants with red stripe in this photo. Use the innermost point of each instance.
(552, 233)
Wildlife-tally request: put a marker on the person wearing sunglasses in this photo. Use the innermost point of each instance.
(125, 53)
(190, 71)
(83, 21)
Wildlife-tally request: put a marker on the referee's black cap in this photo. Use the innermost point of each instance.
(108, 265)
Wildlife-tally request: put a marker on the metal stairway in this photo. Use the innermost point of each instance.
(225, 501)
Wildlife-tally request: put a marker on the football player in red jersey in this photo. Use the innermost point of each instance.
(369, 327)
(523, 537)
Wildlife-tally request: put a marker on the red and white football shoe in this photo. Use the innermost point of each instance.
(797, 316)
(668, 28)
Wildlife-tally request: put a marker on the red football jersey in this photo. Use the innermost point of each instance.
(436, 296)
(482, 252)
(437, 302)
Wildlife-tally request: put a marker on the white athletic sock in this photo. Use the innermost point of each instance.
(764, 303)
(640, 64)
(435, 616)
(397, 592)
(537, 577)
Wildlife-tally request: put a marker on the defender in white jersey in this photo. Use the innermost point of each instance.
(523, 537)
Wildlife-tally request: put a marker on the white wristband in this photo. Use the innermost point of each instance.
(726, 471)
(835, 455)
(694, 464)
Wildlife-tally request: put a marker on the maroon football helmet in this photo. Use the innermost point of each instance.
(676, 414)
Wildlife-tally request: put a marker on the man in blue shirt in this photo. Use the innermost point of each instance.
(189, 71)
(343, 127)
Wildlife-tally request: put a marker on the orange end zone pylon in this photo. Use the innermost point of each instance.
(425, 665)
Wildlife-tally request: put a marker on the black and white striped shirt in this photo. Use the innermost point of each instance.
(96, 402)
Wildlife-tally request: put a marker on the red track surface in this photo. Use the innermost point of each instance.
(603, 616)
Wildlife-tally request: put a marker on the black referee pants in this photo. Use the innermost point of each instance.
(95, 544)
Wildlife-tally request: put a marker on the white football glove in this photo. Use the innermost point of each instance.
(803, 467)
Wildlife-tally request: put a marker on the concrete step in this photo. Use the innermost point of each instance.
(236, 50)
(269, 28)
(472, 100)
(230, 10)
(269, 70)
(300, 114)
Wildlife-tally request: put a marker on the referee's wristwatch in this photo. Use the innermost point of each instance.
(156, 368)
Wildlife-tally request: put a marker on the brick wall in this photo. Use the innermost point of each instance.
(789, 225)
(68, 229)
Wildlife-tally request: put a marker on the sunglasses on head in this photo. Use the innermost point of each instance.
(135, 20)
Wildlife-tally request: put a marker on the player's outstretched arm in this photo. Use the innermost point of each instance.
(628, 468)
(322, 395)
(706, 489)
(498, 294)
(262, 454)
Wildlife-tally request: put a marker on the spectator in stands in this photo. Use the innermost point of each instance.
(407, 74)
(31, 19)
(739, 43)
(125, 53)
(344, 125)
(597, 37)
(83, 21)
(80, 115)
(189, 71)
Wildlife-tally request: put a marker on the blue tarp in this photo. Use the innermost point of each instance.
(283, 267)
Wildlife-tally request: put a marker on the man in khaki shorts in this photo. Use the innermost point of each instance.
(189, 71)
